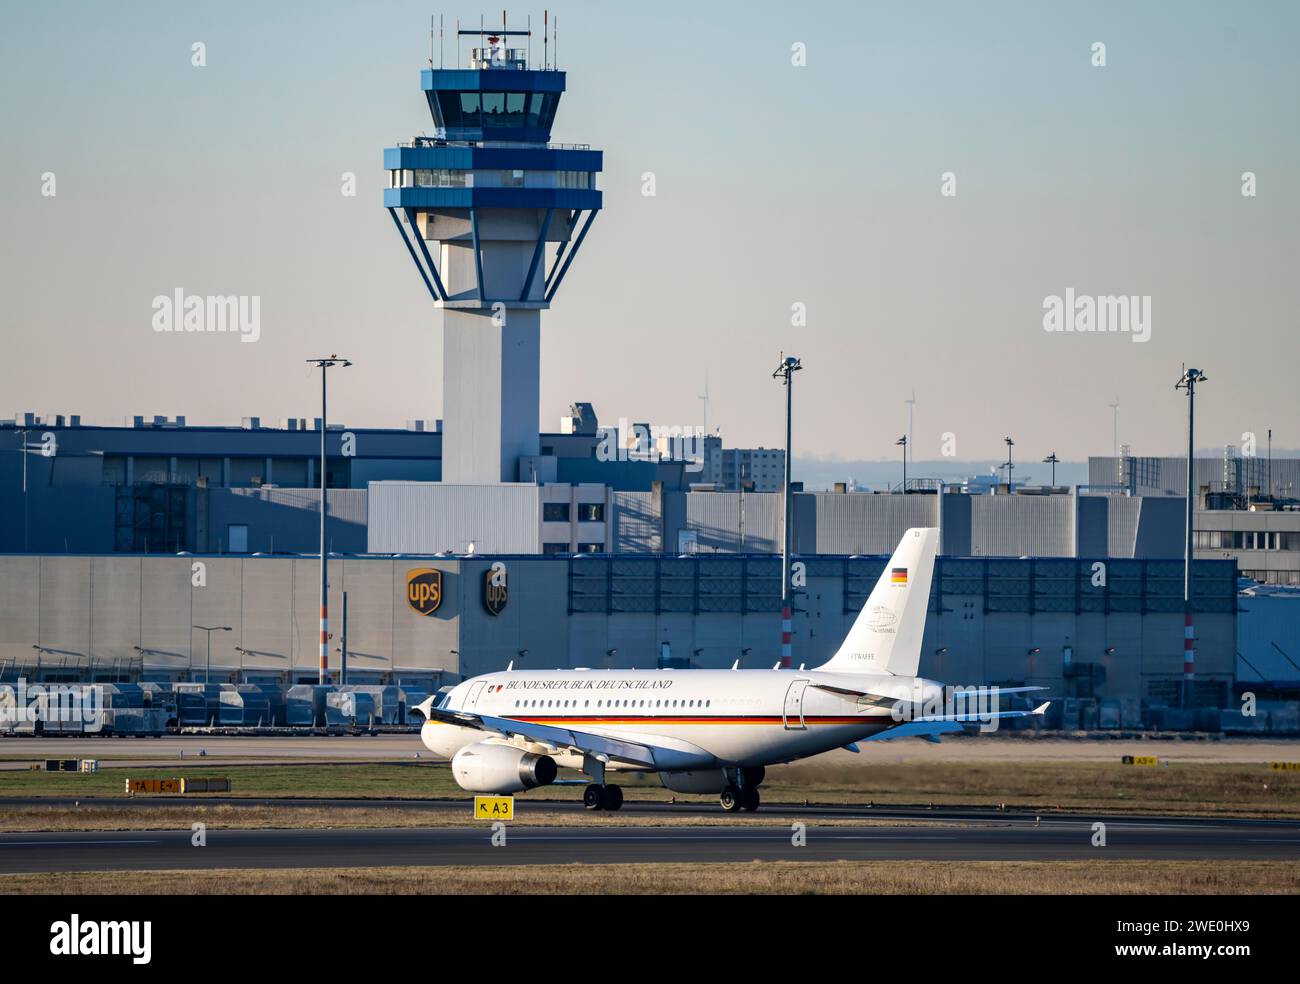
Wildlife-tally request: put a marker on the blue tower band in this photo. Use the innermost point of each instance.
(493, 215)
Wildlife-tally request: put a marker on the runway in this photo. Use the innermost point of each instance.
(195, 749)
(958, 835)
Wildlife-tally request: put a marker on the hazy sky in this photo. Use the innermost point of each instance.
(775, 185)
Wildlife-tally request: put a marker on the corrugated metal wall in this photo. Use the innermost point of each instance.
(1121, 524)
(427, 518)
(1018, 526)
(723, 521)
(107, 605)
(870, 524)
(636, 523)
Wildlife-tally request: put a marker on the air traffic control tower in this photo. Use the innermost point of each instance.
(493, 215)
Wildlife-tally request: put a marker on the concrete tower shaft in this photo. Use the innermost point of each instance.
(492, 214)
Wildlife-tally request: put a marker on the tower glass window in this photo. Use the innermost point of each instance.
(515, 108)
(493, 110)
(494, 107)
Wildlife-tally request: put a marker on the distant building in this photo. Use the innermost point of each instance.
(1247, 508)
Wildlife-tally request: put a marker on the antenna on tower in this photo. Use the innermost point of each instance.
(704, 397)
(546, 30)
(555, 39)
(431, 40)
(442, 55)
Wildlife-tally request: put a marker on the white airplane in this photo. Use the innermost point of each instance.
(708, 731)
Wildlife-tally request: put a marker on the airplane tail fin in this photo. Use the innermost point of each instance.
(886, 636)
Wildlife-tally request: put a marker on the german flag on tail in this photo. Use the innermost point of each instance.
(898, 575)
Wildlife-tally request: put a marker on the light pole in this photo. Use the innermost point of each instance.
(785, 371)
(1188, 381)
(1052, 459)
(209, 629)
(23, 451)
(1008, 466)
(323, 673)
(1114, 437)
(903, 441)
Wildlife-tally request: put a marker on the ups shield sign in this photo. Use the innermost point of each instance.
(496, 589)
(424, 590)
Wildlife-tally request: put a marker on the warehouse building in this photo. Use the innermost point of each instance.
(1049, 622)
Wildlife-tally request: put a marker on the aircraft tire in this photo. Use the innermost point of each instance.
(749, 799)
(611, 797)
(730, 799)
(593, 797)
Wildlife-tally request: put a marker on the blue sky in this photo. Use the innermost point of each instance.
(775, 185)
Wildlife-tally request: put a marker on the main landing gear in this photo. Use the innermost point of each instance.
(734, 799)
(741, 793)
(598, 797)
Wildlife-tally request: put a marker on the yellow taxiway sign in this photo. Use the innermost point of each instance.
(494, 807)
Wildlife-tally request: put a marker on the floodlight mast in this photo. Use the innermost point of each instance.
(323, 663)
(1188, 381)
(785, 371)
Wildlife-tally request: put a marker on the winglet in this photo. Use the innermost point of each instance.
(736, 665)
(1042, 708)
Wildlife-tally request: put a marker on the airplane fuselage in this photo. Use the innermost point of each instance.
(700, 718)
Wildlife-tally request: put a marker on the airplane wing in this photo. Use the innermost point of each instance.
(599, 746)
(883, 699)
(950, 723)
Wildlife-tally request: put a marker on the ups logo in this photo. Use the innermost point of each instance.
(424, 590)
(496, 588)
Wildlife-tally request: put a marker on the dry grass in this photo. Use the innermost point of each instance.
(1181, 788)
(782, 878)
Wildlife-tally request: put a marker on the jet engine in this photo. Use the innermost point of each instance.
(490, 767)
